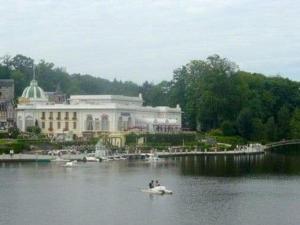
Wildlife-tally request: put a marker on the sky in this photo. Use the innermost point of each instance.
(148, 40)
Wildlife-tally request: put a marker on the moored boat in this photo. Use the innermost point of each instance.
(90, 159)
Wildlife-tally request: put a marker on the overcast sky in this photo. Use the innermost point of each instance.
(147, 40)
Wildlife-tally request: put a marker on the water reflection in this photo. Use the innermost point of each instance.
(208, 190)
(241, 165)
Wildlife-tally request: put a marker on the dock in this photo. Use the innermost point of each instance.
(5, 158)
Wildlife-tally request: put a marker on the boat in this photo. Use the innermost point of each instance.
(152, 158)
(160, 190)
(90, 159)
(58, 159)
(119, 157)
(70, 164)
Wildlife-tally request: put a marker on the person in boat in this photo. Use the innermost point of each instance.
(157, 183)
(151, 184)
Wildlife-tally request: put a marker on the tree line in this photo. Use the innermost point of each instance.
(214, 94)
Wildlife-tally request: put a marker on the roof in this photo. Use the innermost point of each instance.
(34, 92)
(105, 97)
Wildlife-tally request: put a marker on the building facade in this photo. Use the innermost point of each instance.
(6, 103)
(93, 114)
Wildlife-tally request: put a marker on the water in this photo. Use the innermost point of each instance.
(233, 190)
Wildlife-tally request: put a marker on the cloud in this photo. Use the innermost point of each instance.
(139, 40)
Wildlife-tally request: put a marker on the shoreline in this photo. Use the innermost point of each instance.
(6, 158)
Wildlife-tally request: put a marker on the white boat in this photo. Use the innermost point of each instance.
(70, 164)
(90, 159)
(160, 190)
(58, 159)
(104, 158)
(152, 158)
(119, 157)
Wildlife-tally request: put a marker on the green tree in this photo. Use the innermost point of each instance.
(271, 129)
(244, 123)
(228, 128)
(295, 124)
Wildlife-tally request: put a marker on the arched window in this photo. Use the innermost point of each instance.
(97, 124)
(129, 123)
(89, 122)
(120, 124)
(29, 122)
(20, 123)
(104, 123)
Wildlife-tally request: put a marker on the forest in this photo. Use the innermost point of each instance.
(214, 94)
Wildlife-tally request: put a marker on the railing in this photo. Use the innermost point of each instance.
(282, 143)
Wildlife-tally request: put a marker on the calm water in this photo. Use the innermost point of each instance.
(258, 190)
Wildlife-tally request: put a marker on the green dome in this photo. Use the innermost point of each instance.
(34, 92)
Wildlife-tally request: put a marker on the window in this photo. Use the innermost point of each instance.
(43, 125)
(43, 115)
(58, 116)
(29, 122)
(120, 124)
(97, 124)
(104, 123)
(74, 125)
(66, 126)
(67, 116)
(20, 123)
(50, 126)
(89, 122)
(74, 115)
(129, 123)
(51, 116)
(58, 125)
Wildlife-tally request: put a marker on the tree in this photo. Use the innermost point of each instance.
(33, 130)
(244, 123)
(271, 129)
(259, 132)
(228, 128)
(295, 124)
(283, 118)
(13, 132)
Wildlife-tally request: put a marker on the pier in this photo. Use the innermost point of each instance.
(136, 155)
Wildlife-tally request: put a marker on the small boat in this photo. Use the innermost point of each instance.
(70, 164)
(152, 158)
(160, 190)
(90, 159)
(104, 158)
(58, 159)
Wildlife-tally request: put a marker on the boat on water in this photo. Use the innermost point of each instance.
(152, 158)
(70, 164)
(90, 159)
(59, 159)
(119, 157)
(160, 190)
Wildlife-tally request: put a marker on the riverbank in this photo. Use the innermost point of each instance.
(138, 155)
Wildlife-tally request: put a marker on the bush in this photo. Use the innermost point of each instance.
(228, 128)
(34, 130)
(159, 139)
(13, 132)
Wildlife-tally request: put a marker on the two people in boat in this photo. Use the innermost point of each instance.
(152, 184)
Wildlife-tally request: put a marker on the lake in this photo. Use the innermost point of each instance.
(227, 190)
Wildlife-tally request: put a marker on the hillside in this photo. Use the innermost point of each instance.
(215, 95)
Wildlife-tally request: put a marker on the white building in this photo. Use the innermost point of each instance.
(93, 114)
